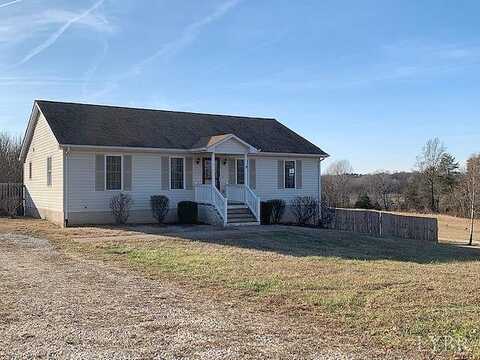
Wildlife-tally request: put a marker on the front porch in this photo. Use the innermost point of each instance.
(226, 184)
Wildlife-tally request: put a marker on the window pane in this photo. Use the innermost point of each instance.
(207, 171)
(114, 172)
(240, 172)
(290, 174)
(176, 173)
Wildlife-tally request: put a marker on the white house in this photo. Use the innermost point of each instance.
(77, 156)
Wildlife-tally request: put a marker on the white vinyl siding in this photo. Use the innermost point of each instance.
(38, 194)
(267, 179)
(146, 181)
(231, 146)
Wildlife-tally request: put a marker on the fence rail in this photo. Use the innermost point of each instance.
(381, 224)
(11, 199)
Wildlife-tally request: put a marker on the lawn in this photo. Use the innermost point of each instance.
(390, 296)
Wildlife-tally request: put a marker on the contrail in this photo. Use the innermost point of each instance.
(10, 3)
(54, 37)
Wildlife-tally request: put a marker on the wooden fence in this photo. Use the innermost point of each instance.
(11, 199)
(381, 224)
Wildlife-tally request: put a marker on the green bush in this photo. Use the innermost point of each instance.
(265, 212)
(278, 209)
(364, 202)
(159, 205)
(187, 212)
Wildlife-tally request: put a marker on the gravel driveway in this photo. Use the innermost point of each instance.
(54, 306)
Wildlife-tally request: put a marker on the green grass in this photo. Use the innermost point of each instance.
(401, 294)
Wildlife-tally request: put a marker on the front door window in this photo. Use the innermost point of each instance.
(207, 171)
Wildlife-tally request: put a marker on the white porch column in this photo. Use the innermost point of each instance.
(245, 171)
(213, 169)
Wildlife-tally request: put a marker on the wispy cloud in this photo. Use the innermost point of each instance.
(168, 50)
(93, 68)
(189, 35)
(19, 28)
(33, 81)
(400, 62)
(57, 34)
(10, 3)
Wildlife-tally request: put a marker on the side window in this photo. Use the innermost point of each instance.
(49, 171)
(177, 172)
(113, 172)
(289, 174)
(30, 170)
(240, 172)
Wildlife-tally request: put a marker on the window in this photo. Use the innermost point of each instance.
(289, 174)
(240, 172)
(30, 170)
(176, 173)
(113, 171)
(49, 171)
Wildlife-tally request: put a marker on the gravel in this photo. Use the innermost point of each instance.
(58, 307)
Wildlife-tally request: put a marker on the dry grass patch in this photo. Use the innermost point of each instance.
(390, 295)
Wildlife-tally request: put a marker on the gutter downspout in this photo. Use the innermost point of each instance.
(65, 187)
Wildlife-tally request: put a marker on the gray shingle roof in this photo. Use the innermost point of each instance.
(98, 125)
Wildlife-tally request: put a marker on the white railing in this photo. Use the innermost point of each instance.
(203, 194)
(253, 202)
(236, 193)
(220, 203)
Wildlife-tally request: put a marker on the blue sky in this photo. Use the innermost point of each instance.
(367, 81)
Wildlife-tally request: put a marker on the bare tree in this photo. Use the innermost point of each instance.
(10, 165)
(336, 184)
(381, 186)
(435, 165)
(473, 189)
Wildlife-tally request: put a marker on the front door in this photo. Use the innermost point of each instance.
(207, 171)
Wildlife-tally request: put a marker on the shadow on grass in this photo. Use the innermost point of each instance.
(309, 242)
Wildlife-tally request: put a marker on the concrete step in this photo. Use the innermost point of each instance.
(253, 223)
(238, 211)
(240, 218)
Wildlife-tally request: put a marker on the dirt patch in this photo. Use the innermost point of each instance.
(55, 306)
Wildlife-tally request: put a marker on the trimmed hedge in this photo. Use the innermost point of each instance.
(160, 206)
(266, 208)
(278, 209)
(187, 212)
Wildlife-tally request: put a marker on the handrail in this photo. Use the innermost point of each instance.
(253, 202)
(220, 202)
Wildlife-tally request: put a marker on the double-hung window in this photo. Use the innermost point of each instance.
(113, 172)
(177, 172)
(290, 174)
(49, 171)
(240, 171)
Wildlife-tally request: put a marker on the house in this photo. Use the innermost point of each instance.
(77, 156)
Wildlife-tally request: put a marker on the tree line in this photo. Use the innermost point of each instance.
(11, 168)
(438, 184)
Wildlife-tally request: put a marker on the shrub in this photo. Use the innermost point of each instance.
(120, 205)
(278, 209)
(159, 205)
(265, 212)
(304, 208)
(187, 212)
